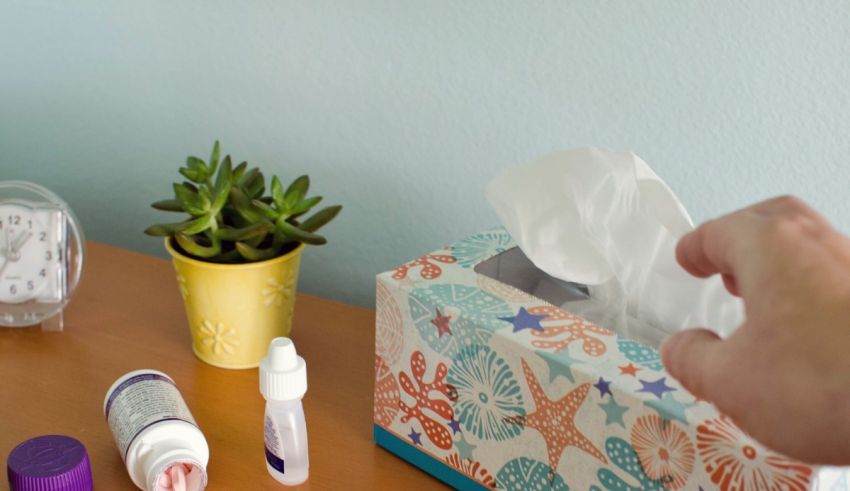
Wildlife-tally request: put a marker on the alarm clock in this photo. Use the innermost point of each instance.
(41, 255)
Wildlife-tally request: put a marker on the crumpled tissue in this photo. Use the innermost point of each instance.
(606, 220)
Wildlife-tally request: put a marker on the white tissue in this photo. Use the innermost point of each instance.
(606, 220)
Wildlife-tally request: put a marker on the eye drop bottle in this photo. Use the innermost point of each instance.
(162, 446)
(283, 382)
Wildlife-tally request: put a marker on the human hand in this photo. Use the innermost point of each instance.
(784, 375)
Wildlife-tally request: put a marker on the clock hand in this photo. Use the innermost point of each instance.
(24, 237)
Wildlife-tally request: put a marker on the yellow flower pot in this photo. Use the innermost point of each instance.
(234, 310)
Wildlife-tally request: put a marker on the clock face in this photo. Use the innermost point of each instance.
(31, 245)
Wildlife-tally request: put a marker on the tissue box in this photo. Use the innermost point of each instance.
(485, 386)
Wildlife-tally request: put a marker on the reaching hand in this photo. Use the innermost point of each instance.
(784, 375)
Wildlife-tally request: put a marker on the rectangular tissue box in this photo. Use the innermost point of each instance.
(486, 386)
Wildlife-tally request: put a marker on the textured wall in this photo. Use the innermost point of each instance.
(402, 111)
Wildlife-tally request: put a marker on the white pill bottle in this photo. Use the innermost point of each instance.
(283, 382)
(162, 446)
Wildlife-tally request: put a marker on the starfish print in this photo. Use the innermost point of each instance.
(658, 388)
(555, 420)
(629, 369)
(442, 323)
(524, 320)
(455, 426)
(669, 408)
(614, 412)
(415, 437)
(604, 387)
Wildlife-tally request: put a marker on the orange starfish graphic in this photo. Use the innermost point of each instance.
(555, 420)
(629, 369)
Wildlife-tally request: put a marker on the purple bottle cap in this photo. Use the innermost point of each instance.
(49, 463)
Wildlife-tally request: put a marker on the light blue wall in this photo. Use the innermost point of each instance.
(402, 110)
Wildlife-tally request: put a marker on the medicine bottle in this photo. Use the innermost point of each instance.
(162, 446)
(283, 382)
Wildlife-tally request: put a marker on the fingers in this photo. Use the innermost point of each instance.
(724, 245)
(714, 246)
(690, 356)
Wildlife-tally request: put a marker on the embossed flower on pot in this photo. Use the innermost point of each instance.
(181, 284)
(279, 289)
(487, 393)
(218, 338)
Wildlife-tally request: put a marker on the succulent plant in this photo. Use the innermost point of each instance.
(230, 221)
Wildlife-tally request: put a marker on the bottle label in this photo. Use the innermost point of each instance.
(140, 402)
(274, 450)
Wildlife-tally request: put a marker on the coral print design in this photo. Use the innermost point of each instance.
(487, 393)
(387, 396)
(640, 353)
(525, 474)
(479, 247)
(448, 316)
(389, 337)
(421, 391)
(555, 420)
(735, 462)
(561, 324)
(472, 469)
(664, 450)
(218, 338)
(624, 456)
(430, 269)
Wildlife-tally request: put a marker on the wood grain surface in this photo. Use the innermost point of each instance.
(128, 314)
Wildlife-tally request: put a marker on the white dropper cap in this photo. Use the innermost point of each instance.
(283, 374)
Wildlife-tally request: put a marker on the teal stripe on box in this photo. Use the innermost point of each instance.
(436, 468)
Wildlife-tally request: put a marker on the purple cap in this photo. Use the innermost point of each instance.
(49, 463)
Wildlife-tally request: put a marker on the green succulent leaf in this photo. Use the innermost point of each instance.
(242, 204)
(190, 199)
(216, 151)
(198, 165)
(166, 229)
(223, 183)
(194, 175)
(254, 184)
(277, 193)
(266, 210)
(192, 247)
(245, 233)
(297, 190)
(305, 205)
(247, 177)
(168, 205)
(239, 171)
(291, 231)
(255, 254)
(320, 218)
(231, 256)
(198, 225)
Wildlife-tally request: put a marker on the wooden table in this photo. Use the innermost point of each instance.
(128, 314)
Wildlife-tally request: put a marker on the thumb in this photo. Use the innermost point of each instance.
(690, 356)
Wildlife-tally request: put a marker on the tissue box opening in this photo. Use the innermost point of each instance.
(514, 268)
